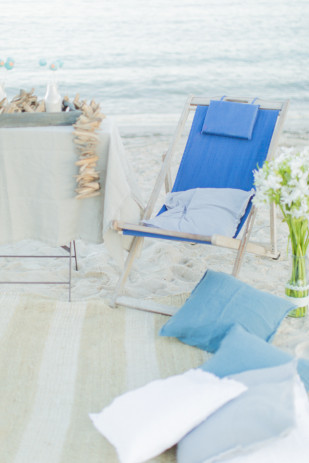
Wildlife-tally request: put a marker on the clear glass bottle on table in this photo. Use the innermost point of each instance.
(53, 100)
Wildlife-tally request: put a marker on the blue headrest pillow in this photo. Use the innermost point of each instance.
(230, 119)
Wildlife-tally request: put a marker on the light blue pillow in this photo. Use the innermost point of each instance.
(217, 303)
(264, 412)
(203, 211)
(240, 351)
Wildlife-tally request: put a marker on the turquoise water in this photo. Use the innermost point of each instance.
(141, 59)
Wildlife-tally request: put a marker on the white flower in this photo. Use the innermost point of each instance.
(273, 181)
(285, 181)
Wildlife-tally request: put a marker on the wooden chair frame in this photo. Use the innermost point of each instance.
(240, 245)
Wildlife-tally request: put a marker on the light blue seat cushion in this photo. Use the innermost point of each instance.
(203, 211)
(230, 119)
(218, 302)
(240, 351)
(264, 412)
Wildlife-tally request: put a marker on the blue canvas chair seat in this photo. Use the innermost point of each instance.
(220, 153)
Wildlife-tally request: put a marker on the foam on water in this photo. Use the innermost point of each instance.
(141, 59)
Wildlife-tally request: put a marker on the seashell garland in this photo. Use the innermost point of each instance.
(86, 141)
(23, 102)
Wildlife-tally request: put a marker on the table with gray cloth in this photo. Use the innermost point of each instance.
(37, 187)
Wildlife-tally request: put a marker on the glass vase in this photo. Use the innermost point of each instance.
(297, 288)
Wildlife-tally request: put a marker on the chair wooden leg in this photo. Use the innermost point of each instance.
(273, 229)
(136, 243)
(244, 242)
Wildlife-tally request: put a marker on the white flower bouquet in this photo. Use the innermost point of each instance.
(285, 181)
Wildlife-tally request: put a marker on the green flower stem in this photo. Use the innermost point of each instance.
(298, 236)
(298, 278)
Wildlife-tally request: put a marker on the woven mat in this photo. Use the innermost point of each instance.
(60, 361)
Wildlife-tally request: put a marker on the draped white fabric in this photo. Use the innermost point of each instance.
(37, 183)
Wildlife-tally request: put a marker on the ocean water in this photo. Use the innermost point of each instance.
(140, 59)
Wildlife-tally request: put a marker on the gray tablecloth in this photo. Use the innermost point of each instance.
(37, 183)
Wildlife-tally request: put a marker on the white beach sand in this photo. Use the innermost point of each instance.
(164, 268)
(68, 360)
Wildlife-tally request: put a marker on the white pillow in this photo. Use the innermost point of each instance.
(289, 449)
(143, 423)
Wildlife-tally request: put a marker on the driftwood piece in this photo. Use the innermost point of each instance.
(88, 195)
(2, 102)
(86, 140)
(41, 107)
(27, 102)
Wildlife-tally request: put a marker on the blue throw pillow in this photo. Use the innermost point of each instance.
(230, 119)
(264, 412)
(240, 351)
(217, 303)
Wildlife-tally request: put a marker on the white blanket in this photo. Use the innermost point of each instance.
(144, 422)
(203, 211)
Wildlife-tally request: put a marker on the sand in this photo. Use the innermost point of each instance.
(164, 268)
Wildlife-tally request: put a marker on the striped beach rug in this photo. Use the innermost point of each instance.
(60, 361)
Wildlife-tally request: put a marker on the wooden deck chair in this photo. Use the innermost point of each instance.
(211, 161)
